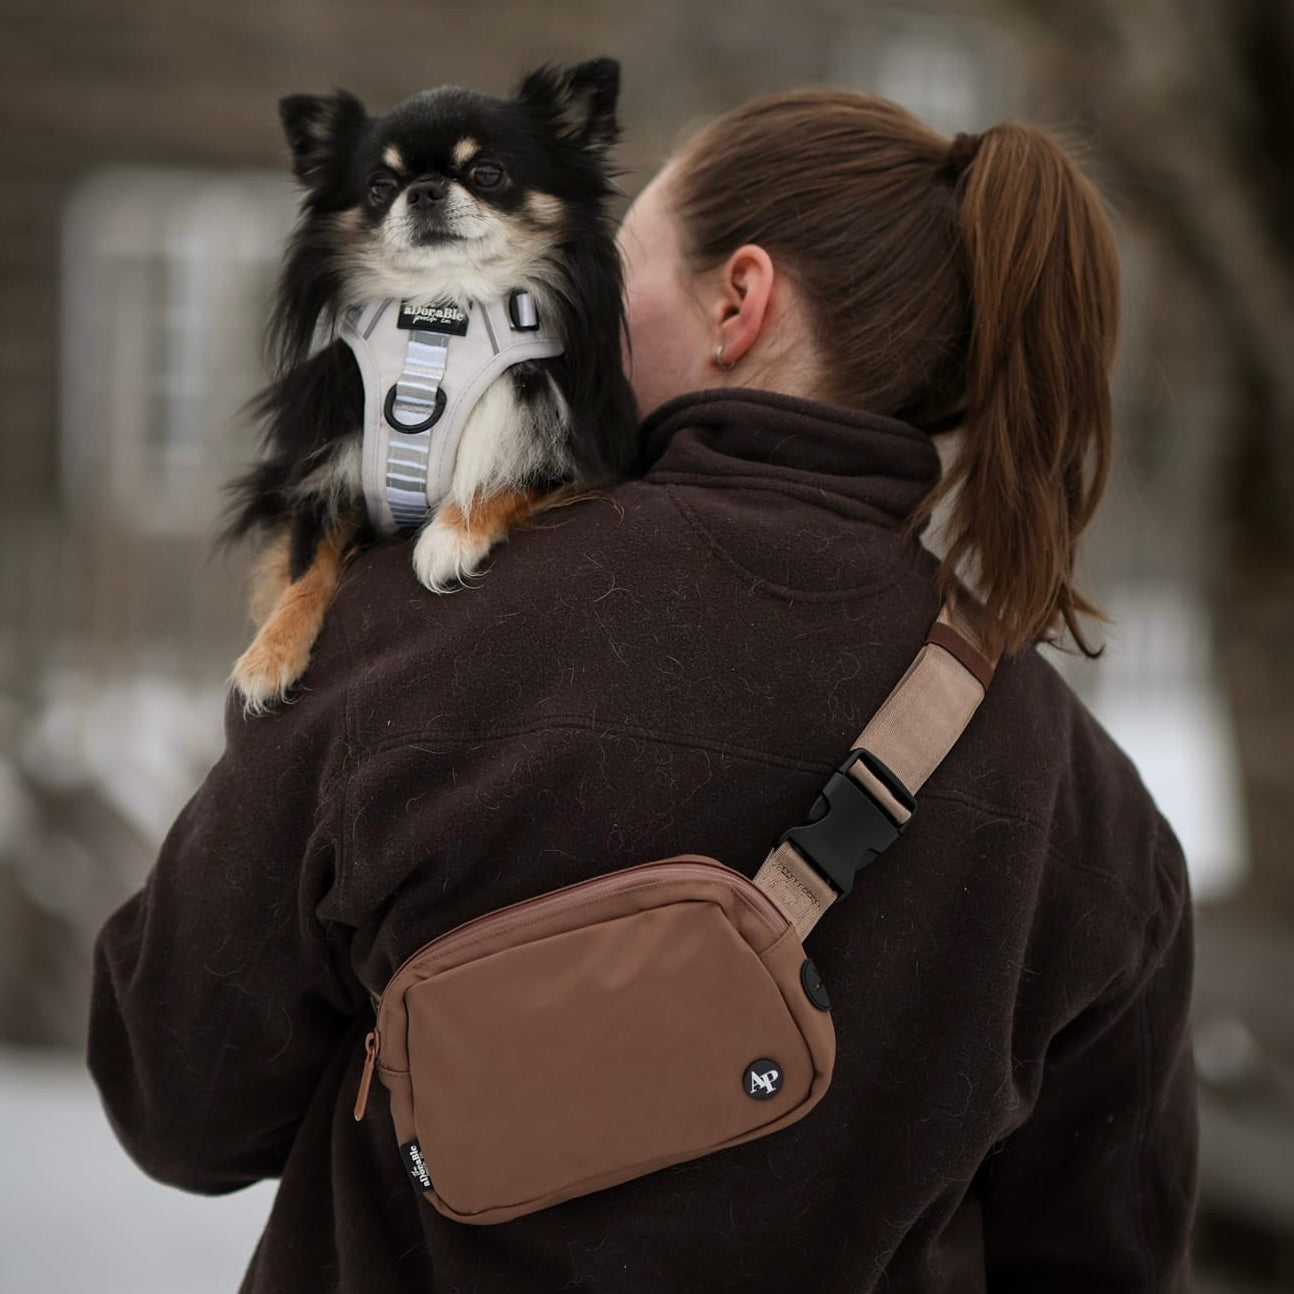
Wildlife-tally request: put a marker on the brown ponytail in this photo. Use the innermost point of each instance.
(1037, 434)
(947, 282)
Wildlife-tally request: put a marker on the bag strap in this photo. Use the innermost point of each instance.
(870, 797)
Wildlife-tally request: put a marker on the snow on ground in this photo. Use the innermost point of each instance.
(76, 1215)
(1157, 692)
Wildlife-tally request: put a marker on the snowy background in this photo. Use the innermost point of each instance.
(77, 1215)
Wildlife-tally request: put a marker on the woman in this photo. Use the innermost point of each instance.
(817, 287)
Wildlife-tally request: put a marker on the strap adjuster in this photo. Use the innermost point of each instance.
(847, 828)
(523, 314)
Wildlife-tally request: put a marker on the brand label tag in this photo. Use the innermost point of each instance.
(416, 1165)
(762, 1079)
(439, 316)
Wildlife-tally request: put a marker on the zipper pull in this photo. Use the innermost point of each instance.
(366, 1078)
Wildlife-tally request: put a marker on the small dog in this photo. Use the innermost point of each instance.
(450, 200)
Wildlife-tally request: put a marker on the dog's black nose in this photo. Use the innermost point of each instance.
(424, 193)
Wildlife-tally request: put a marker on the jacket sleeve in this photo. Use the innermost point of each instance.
(218, 997)
(1097, 1189)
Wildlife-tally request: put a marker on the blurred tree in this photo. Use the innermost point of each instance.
(1193, 105)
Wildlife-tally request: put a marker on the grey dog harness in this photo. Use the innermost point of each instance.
(425, 366)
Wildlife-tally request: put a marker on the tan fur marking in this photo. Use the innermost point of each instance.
(565, 495)
(491, 517)
(544, 209)
(465, 150)
(393, 157)
(269, 576)
(349, 228)
(280, 652)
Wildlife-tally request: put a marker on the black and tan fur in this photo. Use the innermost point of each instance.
(455, 195)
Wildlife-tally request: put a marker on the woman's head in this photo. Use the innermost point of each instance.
(828, 244)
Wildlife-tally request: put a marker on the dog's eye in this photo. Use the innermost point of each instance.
(486, 176)
(381, 187)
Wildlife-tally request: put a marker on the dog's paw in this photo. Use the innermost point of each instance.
(266, 672)
(447, 555)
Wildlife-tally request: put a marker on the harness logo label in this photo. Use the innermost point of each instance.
(439, 316)
(416, 1165)
(762, 1080)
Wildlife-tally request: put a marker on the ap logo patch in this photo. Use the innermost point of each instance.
(763, 1079)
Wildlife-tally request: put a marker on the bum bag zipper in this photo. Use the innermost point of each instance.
(614, 880)
(366, 1079)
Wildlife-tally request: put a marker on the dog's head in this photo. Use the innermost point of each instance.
(452, 192)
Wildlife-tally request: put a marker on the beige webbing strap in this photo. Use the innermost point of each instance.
(910, 734)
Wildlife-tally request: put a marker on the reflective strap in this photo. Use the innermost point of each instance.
(411, 409)
(417, 390)
(915, 728)
(406, 477)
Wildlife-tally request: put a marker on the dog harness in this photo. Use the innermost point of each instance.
(425, 366)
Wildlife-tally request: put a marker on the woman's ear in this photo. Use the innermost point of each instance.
(740, 305)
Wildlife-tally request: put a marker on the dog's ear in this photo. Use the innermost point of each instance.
(579, 100)
(318, 127)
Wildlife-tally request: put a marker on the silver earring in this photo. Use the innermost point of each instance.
(718, 359)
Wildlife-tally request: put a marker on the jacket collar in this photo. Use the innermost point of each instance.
(869, 465)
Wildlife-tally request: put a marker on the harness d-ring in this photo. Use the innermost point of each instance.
(410, 429)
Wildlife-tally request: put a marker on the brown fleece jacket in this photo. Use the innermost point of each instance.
(677, 669)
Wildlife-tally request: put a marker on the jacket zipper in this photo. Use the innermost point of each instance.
(777, 920)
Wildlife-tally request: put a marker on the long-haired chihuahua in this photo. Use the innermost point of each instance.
(454, 211)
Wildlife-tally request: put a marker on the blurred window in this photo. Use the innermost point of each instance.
(937, 81)
(952, 71)
(166, 283)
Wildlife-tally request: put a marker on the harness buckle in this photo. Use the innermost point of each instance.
(847, 828)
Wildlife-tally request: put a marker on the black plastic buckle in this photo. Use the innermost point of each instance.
(846, 828)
